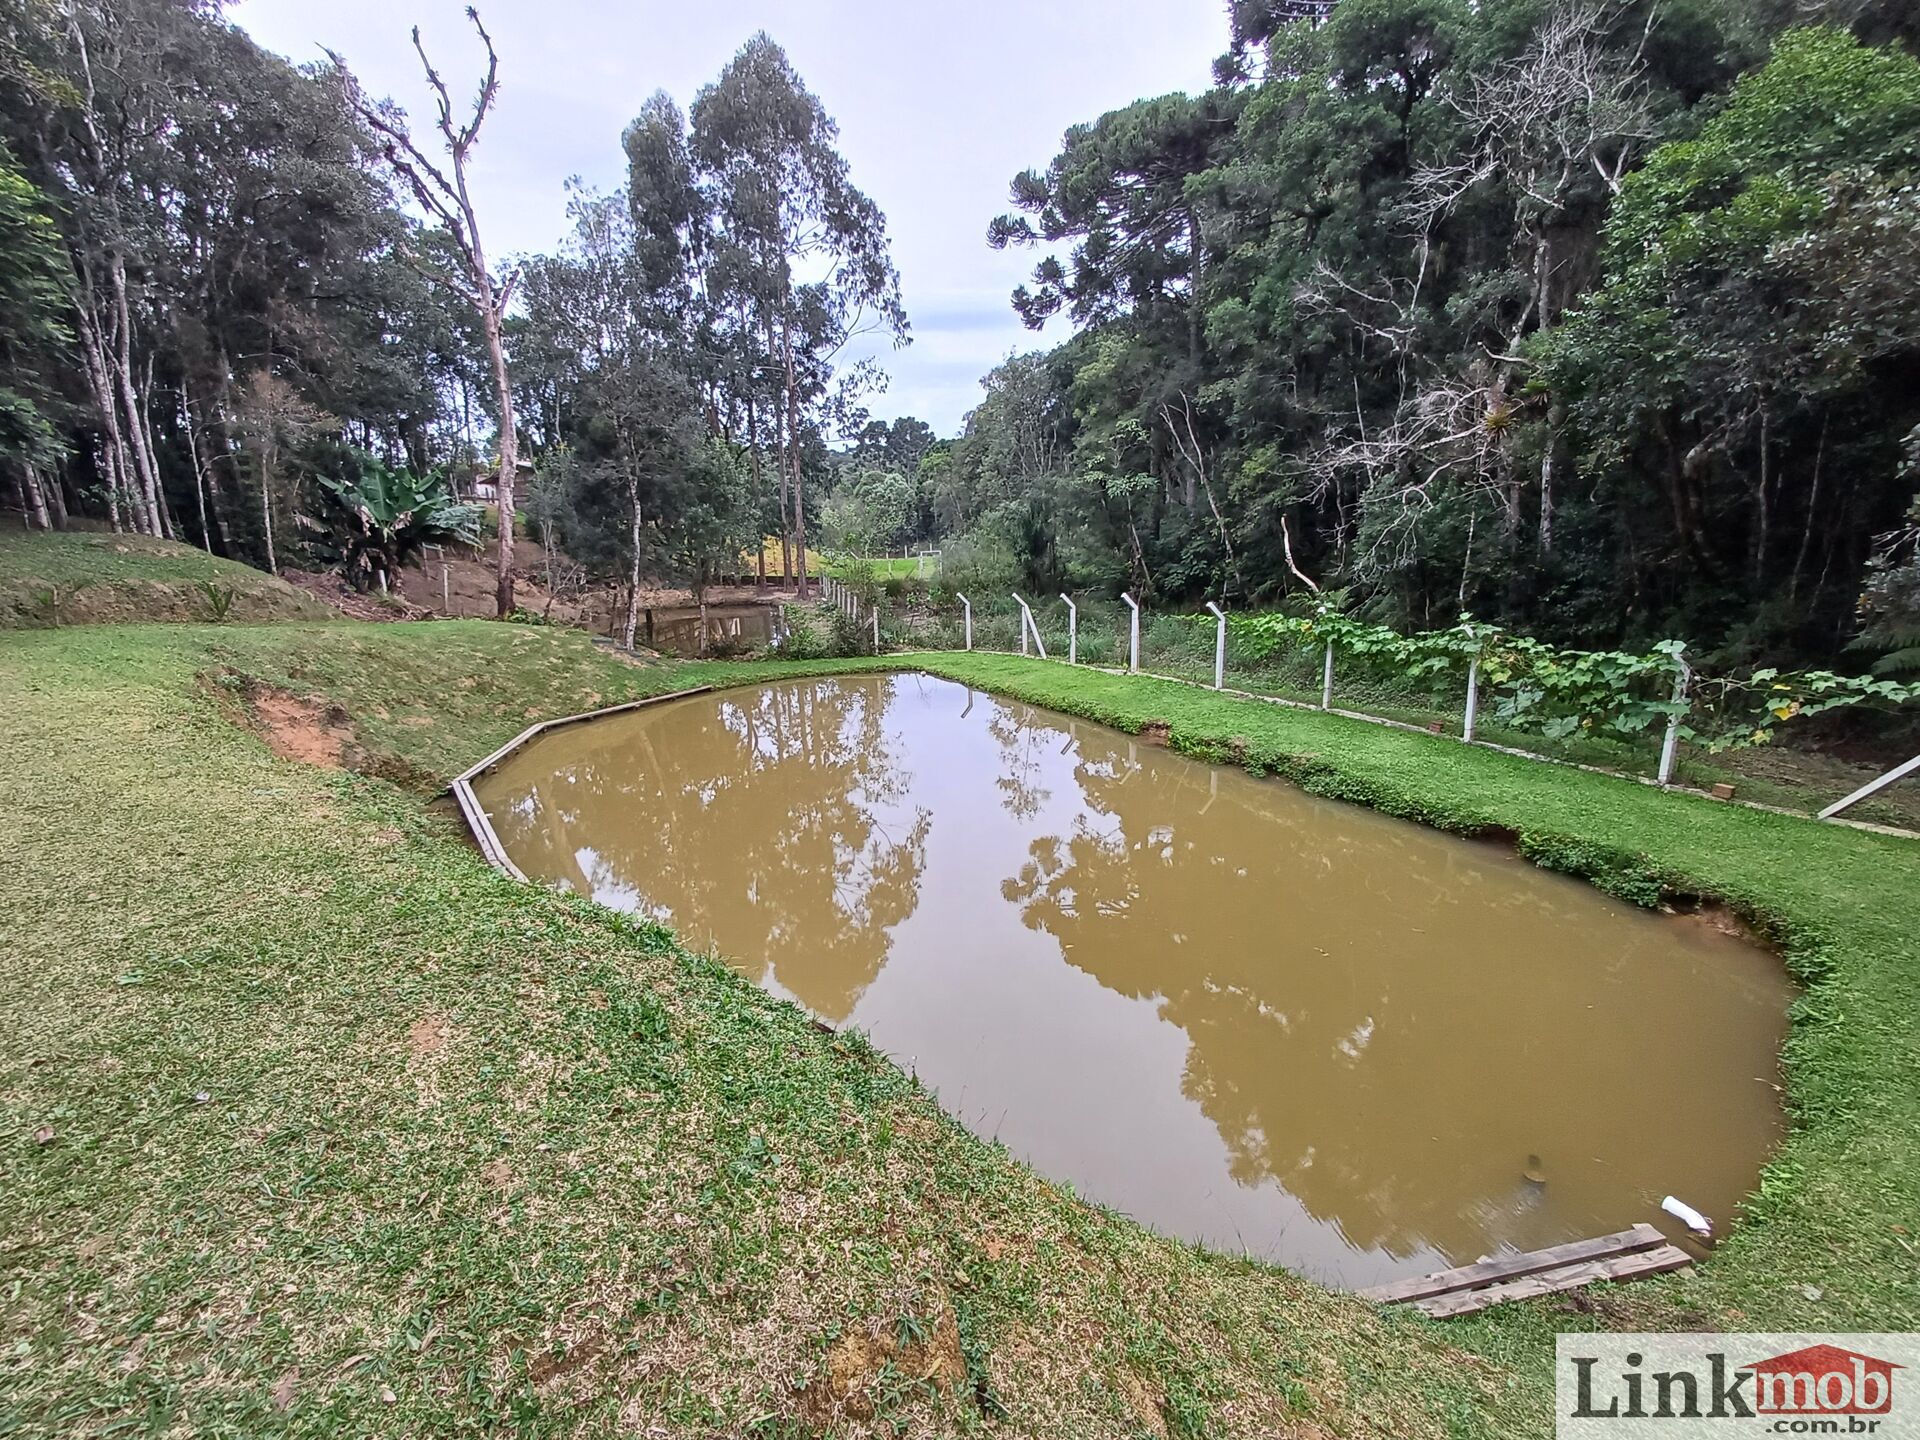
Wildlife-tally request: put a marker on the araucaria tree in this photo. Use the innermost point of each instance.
(448, 201)
(1592, 316)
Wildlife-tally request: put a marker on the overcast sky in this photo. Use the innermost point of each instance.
(939, 105)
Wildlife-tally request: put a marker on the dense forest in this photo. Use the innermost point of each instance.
(1600, 318)
(1596, 317)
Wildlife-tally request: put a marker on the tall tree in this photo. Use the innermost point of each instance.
(779, 209)
(448, 200)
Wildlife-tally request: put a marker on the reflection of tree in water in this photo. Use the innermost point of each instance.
(1334, 1076)
(1022, 761)
(770, 824)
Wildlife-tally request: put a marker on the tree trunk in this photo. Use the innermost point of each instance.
(793, 447)
(266, 508)
(633, 571)
(759, 487)
(57, 498)
(509, 455)
(113, 446)
(203, 481)
(34, 498)
(120, 368)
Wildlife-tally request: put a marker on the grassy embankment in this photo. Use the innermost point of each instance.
(350, 1134)
(99, 579)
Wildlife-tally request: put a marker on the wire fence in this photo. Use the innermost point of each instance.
(1189, 648)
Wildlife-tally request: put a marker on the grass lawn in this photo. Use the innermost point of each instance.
(80, 579)
(889, 567)
(320, 1127)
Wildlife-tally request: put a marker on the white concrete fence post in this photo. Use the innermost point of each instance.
(1219, 646)
(1670, 747)
(1326, 680)
(876, 629)
(967, 607)
(1073, 631)
(1872, 787)
(1473, 691)
(1133, 634)
(1027, 622)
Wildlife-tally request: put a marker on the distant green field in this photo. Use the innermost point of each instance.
(890, 567)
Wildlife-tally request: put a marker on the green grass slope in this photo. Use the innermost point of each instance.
(318, 1126)
(94, 579)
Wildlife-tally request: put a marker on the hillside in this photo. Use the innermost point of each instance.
(104, 579)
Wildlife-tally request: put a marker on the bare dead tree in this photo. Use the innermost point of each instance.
(1186, 441)
(1570, 104)
(448, 200)
(1452, 432)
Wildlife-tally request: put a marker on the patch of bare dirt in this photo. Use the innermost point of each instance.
(330, 588)
(1720, 918)
(550, 1367)
(1146, 1405)
(856, 1359)
(429, 1036)
(296, 728)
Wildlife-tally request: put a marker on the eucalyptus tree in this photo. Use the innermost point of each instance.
(792, 257)
(610, 323)
(33, 332)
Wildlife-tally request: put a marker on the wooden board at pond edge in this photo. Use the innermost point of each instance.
(1512, 1267)
(1570, 1277)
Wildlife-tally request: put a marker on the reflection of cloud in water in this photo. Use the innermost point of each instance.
(1282, 1025)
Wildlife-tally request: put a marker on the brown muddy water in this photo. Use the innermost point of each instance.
(1276, 1024)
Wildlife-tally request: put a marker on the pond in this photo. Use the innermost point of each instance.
(1279, 1025)
(675, 630)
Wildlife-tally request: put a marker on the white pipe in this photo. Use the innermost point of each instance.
(876, 629)
(969, 613)
(1219, 646)
(1073, 631)
(1027, 623)
(1326, 680)
(1688, 1216)
(1133, 634)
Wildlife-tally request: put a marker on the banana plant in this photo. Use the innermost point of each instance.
(375, 523)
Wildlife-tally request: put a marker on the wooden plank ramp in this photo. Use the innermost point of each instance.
(1626, 1255)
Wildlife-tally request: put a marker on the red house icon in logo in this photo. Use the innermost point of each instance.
(1823, 1380)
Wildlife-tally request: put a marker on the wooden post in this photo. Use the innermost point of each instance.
(1219, 646)
(1473, 692)
(1133, 634)
(1073, 631)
